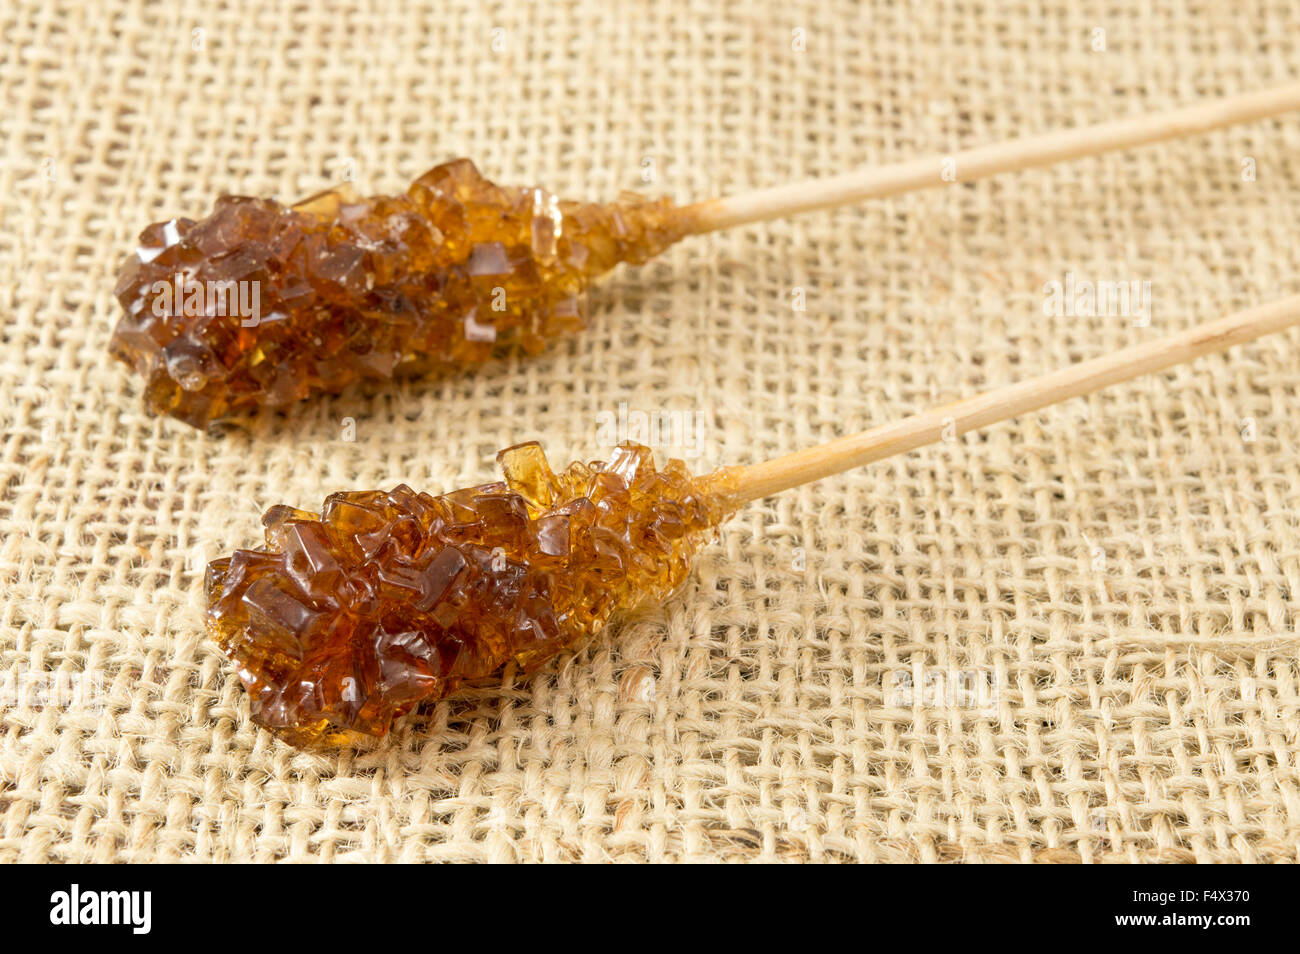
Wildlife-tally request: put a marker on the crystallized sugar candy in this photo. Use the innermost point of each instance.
(261, 304)
(351, 617)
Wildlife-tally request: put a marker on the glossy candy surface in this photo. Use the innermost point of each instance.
(350, 618)
(261, 304)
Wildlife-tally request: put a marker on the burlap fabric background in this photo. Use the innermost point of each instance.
(1068, 638)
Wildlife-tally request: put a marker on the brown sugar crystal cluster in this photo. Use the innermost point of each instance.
(351, 617)
(262, 304)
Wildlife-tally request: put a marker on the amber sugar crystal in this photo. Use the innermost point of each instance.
(351, 617)
(262, 304)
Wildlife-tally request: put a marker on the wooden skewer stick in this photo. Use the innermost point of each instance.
(985, 161)
(743, 484)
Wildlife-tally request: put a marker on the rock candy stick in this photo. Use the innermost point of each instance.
(259, 304)
(351, 617)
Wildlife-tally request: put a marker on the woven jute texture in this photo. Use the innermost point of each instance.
(1072, 637)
